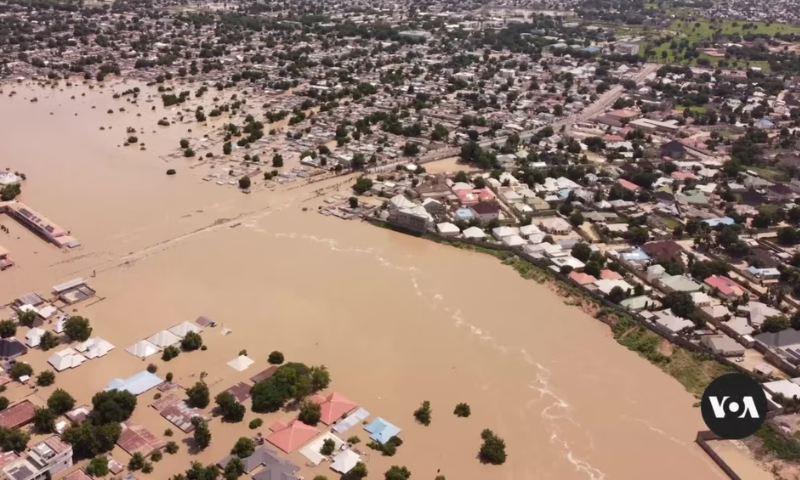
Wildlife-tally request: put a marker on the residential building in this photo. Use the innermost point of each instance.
(722, 345)
(44, 460)
(725, 287)
(486, 211)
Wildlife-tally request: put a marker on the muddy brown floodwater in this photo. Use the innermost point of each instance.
(396, 319)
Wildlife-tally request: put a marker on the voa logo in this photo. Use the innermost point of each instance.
(734, 406)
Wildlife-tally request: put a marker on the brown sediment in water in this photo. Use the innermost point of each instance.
(396, 319)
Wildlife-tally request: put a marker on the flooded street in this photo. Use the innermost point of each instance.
(396, 319)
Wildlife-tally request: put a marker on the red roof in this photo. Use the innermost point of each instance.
(18, 415)
(725, 285)
(334, 407)
(629, 185)
(293, 437)
(582, 278)
(610, 275)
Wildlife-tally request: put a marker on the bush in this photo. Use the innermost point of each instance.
(168, 432)
(169, 376)
(354, 440)
(147, 468)
(202, 435)
(171, 171)
(113, 406)
(423, 413)
(49, 340)
(152, 368)
(255, 423)
(462, 410)
(184, 144)
(275, 358)
(230, 408)
(171, 447)
(20, 369)
(493, 450)
(136, 462)
(3, 403)
(46, 378)
(7, 329)
(310, 413)
(44, 420)
(156, 456)
(397, 473)
(192, 341)
(244, 182)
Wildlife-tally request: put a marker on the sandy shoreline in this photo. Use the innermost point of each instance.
(396, 319)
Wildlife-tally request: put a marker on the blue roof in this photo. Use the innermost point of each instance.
(137, 384)
(635, 255)
(464, 213)
(592, 49)
(564, 193)
(713, 222)
(381, 430)
(765, 123)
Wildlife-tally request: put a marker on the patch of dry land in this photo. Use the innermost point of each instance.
(396, 319)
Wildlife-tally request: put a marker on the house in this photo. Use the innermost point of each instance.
(678, 283)
(629, 185)
(635, 304)
(501, 232)
(513, 240)
(764, 273)
(11, 348)
(17, 416)
(700, 299)
(668, 321)
(757, 312)
(674, 150)
(555, 225)
(722, 345)
(447, 229)
(263, 457)
(434, 207)
(663, 251)
(655, 272)
(43, 460)
(486, 211)
(725, 287)
(581, 278)
(474, 233)
(532, 233)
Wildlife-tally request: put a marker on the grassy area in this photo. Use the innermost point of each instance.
(769, 173)
(778, 445)
(692, 108)
(701, 29)
(694, 370)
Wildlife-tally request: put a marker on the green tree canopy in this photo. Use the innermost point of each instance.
(77, 329)
(113, 406)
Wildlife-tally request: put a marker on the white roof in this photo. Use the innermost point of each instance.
(345, 461)
(606, 286)
(34, 337)
(60, 325)
(312, 450)
(401, 201)
(182, 329)
(527, 230)
(786, 387)
(142, 349)
(474, 232)
(501, 232)
(94, 347)
(67, 358)
(164, 339)
(447, 227)
(241, 363)
(514, 240)
(47, 311)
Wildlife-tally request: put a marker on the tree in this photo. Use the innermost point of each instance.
(362, 185)
(13, 440)
(27, 318)
(576, 219)
(234, 469)
(46, 378)
(275, 358)
(357, 473)
(290, 381)
(229, 407)
(493, 450)
(788, 236)
(113, 406)
(169, 353)
(3, 403)
(353, 202)
(462, 410)
(616, 295)
(255, 423)
(423, 413)
(49, 340)
(192, 341)
(704, 269)
(44, 420)
(680, 303)
(20, 369)
(581, 251)
(277, 160)
(320, 378)
(358, 161)
(243, 448)
(171, 447)
(775, 324)
(77, 329)
(98, 467)
(397, 473)
(10, 192)
(199, 396)
(310, 413)
(244, 182)
(8, 329)
(184, 144)
(60, 402)
(199, 472)
(202, 435)
(227, 148)
(89, 440)
(136, 462)
(328, 446)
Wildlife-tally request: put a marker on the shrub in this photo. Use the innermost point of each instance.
(136, 462)
(243, 448)
(275, 358)
(310, 413)
(199, 396)
(192, 341)
(328, 446)
(168, 432)
(462, 410)
(255, 423)
(20, 369)
(354, 440)
(171, 447)
(98, 467)
(156, 456)
(60, 402)
(152, 368)
(169, 353)
(423, 413)
(46, 378)
(77, 329)
(169, 376)
(171, 171)
(493, 450)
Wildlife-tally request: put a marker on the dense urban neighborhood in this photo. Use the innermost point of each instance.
(640, 159)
